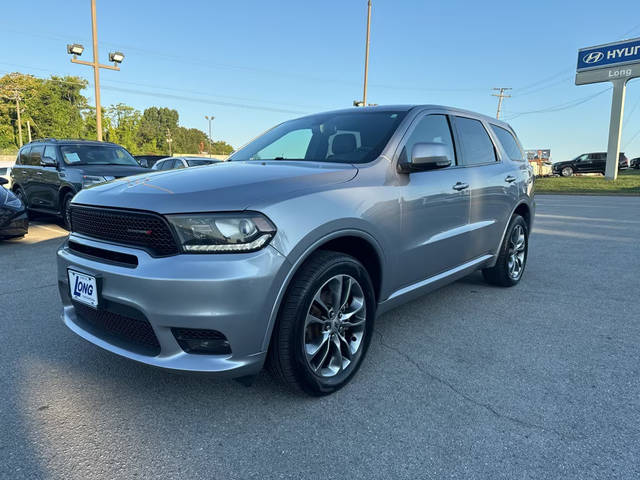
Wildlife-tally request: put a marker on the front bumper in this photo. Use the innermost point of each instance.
(231, 293)
(15, 226)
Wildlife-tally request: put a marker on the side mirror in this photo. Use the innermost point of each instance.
(426, 156)
(48, 162)
(3, 181)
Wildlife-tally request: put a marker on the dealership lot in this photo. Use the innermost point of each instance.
(538, 381)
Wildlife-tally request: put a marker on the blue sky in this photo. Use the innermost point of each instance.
(255, 63)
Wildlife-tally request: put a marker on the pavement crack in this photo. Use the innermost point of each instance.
(462, 394)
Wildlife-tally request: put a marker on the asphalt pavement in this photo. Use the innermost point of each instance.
(472, 381)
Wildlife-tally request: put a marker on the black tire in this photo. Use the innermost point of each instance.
(23, 198)
(567, 171)
(287, 358)
(65, 212)
(500, 274)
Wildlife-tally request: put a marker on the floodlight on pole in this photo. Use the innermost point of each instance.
(75, 49)
(116, 57)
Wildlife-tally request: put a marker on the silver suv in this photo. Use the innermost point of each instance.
(288, 252)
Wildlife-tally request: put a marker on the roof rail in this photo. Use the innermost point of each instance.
(52, 139)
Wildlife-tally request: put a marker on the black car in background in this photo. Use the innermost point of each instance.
(48, 173)
(13, 214)
(148, 161)
(635, 163)
(587, 163)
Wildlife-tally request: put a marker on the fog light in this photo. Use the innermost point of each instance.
(201, 341)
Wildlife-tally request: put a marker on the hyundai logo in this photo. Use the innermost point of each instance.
(593, 57)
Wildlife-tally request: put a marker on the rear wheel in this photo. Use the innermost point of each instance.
(66, 210)
(325, 324)
(512, 257)
(567, 172)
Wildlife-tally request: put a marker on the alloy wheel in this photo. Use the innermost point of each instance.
(517, 252)
(335, 326)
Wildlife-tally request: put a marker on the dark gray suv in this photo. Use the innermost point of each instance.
(287, 252)
(49, 172)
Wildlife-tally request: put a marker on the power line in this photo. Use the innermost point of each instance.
(561, 106)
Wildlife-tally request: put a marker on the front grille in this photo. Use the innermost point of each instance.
(138, 229)
(131, 333)
(108, 255)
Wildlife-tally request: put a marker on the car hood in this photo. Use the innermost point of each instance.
(117, 171)
(223, 186)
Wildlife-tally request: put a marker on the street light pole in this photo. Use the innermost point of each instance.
(366, 56)
(116, 58)
(210, 118)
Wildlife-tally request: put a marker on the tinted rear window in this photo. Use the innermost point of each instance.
(477, 147)
(509, 143)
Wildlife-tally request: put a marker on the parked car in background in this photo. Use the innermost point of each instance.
(635, 163)
(287, 252)
(588, 163)
(5, 173)
(171, 163)
(13, 214)
(148, 161)
(48, 173)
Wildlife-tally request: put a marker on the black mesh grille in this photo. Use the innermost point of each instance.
(138, 229)
(129, 330)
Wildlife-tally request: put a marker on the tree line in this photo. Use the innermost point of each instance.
(55, 107)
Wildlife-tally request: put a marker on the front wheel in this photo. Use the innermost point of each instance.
(325, 324)
(567, 172)
(512, 256)
(66, 211)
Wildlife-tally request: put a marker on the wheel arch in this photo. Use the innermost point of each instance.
(356, 243)
(61, 194)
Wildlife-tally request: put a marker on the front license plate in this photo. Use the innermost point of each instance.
(83, 288)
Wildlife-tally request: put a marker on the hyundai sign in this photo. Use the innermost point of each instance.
(609, 55)
(616, 62)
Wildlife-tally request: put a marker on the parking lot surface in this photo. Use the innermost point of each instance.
(472, 381)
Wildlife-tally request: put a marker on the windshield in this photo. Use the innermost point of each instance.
(350, 137)
(196, 163)
(96, 155)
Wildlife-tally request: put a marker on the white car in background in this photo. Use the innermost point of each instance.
(171, 163)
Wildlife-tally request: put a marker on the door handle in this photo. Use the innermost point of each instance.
(39, 173)
(510, 179)
(460, 186)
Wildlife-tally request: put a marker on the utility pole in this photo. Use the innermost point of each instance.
(210, 120)
(500, 96)
(366, 56)
(29, 130)
(169, 141)
(19, 120)
(115, 57)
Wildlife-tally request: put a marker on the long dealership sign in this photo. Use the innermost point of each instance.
(616, 62)
(609, 55)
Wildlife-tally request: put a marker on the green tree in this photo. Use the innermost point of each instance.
(154, 125)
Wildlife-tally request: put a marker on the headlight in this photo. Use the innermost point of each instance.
(222, 232)
(88, 180)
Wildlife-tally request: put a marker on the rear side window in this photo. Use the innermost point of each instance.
(477, 147)
(36, 155)
(431, 129)
(509, 143)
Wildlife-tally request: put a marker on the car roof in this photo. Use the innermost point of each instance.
(409, 107)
